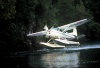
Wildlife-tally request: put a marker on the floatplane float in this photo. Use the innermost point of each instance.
(60, 35)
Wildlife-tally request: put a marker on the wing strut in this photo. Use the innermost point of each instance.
(49, 40)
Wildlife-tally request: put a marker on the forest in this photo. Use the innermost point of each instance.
(19, 17)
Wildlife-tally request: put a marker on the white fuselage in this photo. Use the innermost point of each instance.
(53, 33)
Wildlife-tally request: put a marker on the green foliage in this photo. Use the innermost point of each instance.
(60, 12)
(92, 6)
(19, 17)
(7, 9)
(94, 31)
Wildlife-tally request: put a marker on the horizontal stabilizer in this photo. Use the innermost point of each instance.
(81, 36)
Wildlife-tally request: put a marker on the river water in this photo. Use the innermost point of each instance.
(86, 56)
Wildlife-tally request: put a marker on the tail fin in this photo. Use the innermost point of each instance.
(45, 27)
(74, 31)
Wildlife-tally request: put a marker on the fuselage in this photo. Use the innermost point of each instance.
(53, 33)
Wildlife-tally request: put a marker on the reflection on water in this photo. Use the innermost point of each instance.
(81, 57)
(60, 60)
(56, 59)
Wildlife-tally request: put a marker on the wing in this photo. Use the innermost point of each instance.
(41, 33)
(71, 25)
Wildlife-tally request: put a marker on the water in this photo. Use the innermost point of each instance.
(87, 56)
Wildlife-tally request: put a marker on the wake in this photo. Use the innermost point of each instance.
(84, 47)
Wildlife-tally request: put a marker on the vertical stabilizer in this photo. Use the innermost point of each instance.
(74, 31)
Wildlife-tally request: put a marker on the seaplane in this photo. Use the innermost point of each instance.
(63, 34)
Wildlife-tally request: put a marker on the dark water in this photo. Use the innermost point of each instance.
(87, 56)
